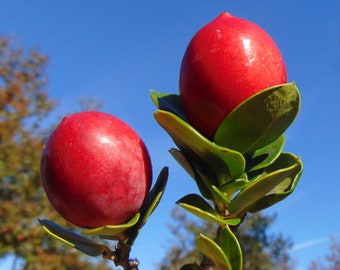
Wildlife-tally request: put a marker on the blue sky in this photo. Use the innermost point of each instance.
(117, 50)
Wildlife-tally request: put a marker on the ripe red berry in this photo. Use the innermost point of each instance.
(227, 61)
(95, 169)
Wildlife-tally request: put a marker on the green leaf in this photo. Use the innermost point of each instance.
(260, 120)
(150, 204)
(280, 177)
(183, 161)
(155, 96)
(196, 205)
(231, 187)
(265, 156)
(214, 252)
(278, 193)
(112, 230)
(74, 240)
(218, 197)
(222, 161)
(231, 248)
(154, 196)
(192, 171)
(168, 102)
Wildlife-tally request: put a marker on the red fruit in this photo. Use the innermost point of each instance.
(95, 169)
(226, 62)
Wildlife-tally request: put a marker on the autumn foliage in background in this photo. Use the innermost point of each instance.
(24, 105)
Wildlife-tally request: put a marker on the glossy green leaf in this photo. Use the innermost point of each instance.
(265, 156)
(183, 161)
(112, 230)
(73, 240)
(218, 197)
(168, 102)
(278, 193)
(230, 188)
(155, 96)
(214, 252)
(196, 205)
(150, 204)
(260, 120)
(155, 195)
(231, 248)
(192, 171)
(279, 176)
(222, 161)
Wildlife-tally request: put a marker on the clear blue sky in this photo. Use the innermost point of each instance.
(117, 50)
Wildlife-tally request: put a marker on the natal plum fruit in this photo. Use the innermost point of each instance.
(95, 170)
(227, 61)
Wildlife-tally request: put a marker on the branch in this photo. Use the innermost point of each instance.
(121, 257)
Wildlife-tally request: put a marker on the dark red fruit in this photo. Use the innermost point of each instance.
(227, 61)
(95, 169)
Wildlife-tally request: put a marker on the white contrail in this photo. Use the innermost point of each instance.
(310, 243)
(314, 242)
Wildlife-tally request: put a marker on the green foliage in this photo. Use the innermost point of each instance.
(24, 104)
(261, 250)
(246, 155)
(212, 250)
(242, 170)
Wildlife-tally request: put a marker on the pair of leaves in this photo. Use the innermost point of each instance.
(226, 256)
(128, 231)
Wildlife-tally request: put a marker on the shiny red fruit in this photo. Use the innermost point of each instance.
(95, 169)
(227, 61)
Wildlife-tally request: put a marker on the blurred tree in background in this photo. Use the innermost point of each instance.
(331, 260)
(24, 104)
(261, 250)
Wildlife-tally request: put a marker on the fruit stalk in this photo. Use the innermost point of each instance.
(121, 257)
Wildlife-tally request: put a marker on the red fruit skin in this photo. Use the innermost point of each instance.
(95, 170)
(227, 61)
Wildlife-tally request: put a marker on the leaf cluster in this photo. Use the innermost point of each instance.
(262, 250)
(242, 170)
